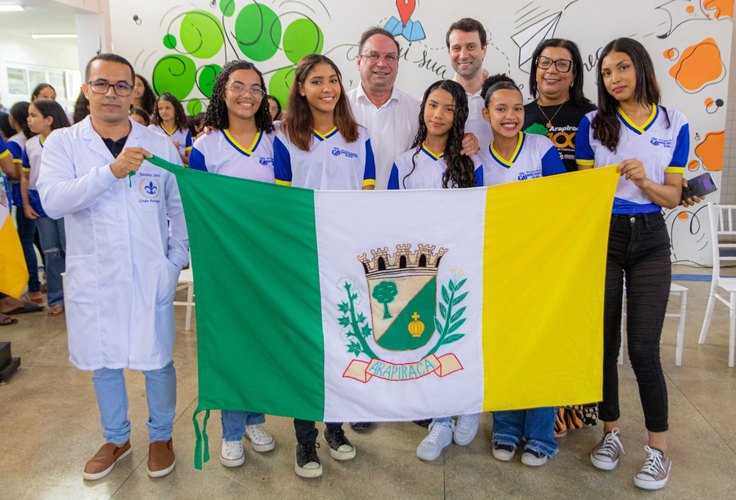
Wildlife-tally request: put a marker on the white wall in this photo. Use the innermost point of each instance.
(23, 51)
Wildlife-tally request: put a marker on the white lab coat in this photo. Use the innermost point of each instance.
(126, 242)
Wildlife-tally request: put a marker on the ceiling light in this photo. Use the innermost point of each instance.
(11, 8)
(40, 36)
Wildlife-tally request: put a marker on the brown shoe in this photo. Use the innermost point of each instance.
(161, 459)
(104, 460)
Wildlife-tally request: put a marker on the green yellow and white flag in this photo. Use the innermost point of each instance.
(381, 306)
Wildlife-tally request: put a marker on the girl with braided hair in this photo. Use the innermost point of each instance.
(241, 145)
(434, 160)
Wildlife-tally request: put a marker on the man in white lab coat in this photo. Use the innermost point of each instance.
(126, 243)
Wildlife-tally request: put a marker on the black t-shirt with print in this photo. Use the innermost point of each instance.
(564, 127)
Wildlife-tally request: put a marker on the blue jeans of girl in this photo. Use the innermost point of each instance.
(536, 425)
(234, 422)
(53, 245)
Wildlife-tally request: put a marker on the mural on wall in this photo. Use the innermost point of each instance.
(183, 48)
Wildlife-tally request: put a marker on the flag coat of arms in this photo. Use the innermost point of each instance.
(383, 306)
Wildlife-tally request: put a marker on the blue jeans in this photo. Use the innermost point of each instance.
(536, 425)
(53, 244)
(112, 400)
(234, 422)
(26, 234)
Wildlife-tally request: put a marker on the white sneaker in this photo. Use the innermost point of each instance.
(655, 472)
(606, 453)
(466, 428)
(440, 435)
(260, 438)
(232, 454)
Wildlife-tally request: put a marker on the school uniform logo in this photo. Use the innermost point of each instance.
(149, 187)
(402, 289)
(265, 160)
(654, 141)
(343, 152)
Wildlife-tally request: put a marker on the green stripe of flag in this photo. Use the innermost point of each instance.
(283, 265)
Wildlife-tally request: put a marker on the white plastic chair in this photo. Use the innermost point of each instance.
(675, 289)
(186, 281)
(723, 243)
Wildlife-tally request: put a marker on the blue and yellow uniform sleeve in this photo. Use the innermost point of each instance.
(25, 162)
(369, 172)
(281, 163)
(479, 176)
(682, 150)
(197, 161)
(16, 151)
(3, 149)
(188, 142)
(393, 178)
(584, 155)
(551, 163)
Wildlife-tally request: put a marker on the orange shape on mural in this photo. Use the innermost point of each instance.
(723, 8)
(699, 65)
(710, 151)
(693, 165)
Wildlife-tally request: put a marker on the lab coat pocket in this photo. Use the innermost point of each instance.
(167, 284)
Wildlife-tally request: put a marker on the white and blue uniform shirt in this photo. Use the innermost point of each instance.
(662, 144)
(3, 153)
(424, 171)
(182, 136)
(31, 164)
(16, 144)
(330, 163)
(220, 153)
(534, 156)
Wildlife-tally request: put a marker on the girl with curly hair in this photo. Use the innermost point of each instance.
(169, 119)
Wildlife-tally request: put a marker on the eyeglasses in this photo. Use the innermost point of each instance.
(122, 89)
(238, 88)
(374, 57)
(562, 65)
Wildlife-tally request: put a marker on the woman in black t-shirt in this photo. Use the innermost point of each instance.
(556, 84)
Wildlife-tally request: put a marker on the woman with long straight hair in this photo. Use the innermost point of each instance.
(650, 145)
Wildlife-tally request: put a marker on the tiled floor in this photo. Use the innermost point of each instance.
(49, 427)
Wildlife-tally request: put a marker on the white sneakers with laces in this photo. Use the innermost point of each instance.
(439, 437)
(655, 472)
(261, 440)
(653, 475)
(232, 454)
(466, 429)
(606, 453)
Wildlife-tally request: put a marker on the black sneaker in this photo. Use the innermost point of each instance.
(307, 460)
(340, 447)
(361, 426)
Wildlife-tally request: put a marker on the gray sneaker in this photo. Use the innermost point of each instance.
(655, 472)
(606, 453)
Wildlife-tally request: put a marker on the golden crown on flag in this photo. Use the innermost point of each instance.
(424, 260)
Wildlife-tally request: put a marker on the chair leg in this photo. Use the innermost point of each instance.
(681, 328)
(708, 315)
(732, 330)
(190, 302)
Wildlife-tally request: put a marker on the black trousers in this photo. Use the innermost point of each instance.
(306, 430)
(639, 250)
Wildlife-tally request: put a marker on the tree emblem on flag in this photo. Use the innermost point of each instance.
(402, 288)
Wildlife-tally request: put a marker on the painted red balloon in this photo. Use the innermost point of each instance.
(406, 8)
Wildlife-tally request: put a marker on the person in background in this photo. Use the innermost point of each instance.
(43, 91)
(169, 119)
(143, 95)
(81, 108)
(140, 116)
(274, 108)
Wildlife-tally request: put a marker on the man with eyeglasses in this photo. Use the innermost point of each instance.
(389, 114)
(126, 243)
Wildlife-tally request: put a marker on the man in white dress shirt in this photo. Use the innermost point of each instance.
(390, 115)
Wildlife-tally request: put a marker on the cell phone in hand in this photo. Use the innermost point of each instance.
(699, 186)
